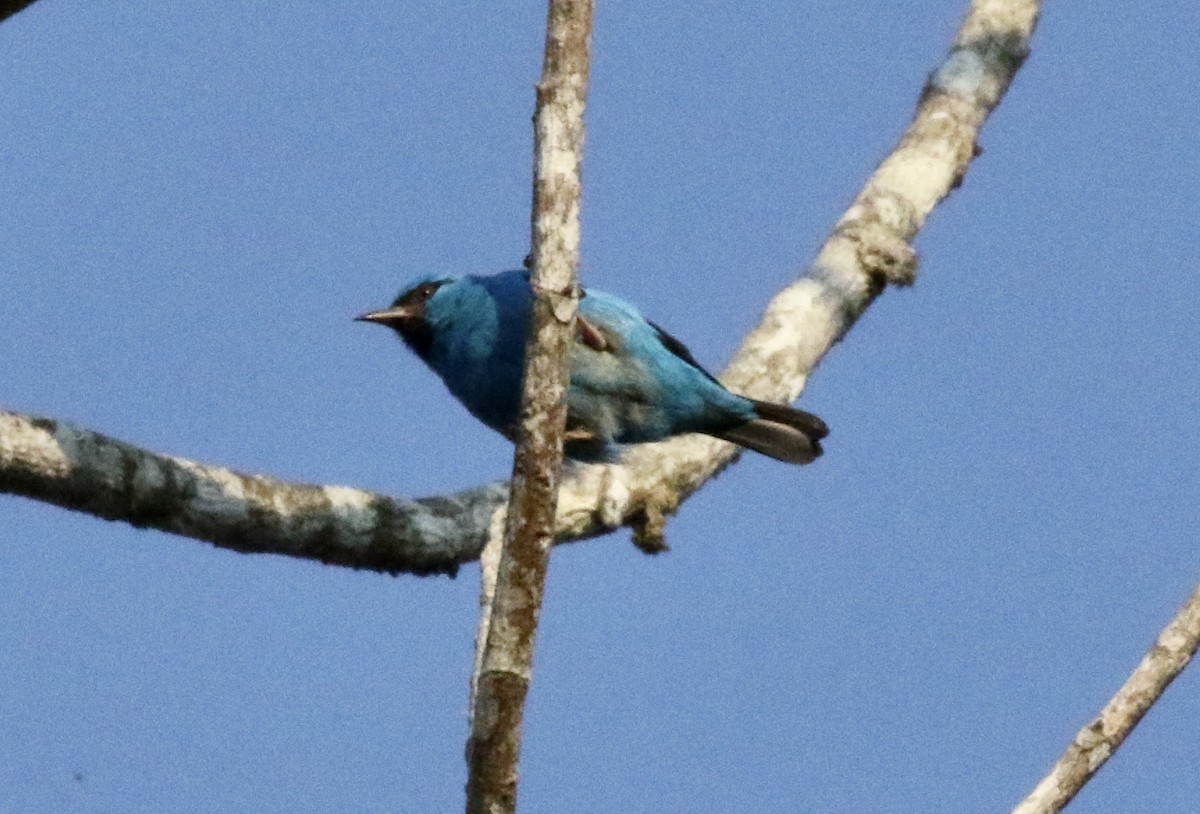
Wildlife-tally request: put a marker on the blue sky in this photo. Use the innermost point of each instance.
(197, 198)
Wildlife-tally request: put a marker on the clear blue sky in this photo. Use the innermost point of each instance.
(195, 199)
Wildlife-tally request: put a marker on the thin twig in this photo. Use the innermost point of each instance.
(506, 664)
(1097, 741)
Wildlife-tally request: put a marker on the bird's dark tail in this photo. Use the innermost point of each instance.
(780, 432)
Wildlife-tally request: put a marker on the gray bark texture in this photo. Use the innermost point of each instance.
(870, 247)
(505, 660)
(1101, 738)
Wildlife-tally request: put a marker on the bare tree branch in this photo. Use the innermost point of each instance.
(63, 464)
(869, 248)
(506, 663)
(1097, 741)
(58, 463)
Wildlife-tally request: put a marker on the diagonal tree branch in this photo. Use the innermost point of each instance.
(869, 248)
(65, 465)
(505, 661)
(1097, 741)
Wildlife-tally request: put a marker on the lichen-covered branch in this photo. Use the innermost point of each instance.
(1097, 741)
(511, 616)
(60, 463)
(870, 247)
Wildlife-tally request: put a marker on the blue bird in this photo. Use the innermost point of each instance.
(631, 381)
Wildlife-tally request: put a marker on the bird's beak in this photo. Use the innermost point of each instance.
(392, 317)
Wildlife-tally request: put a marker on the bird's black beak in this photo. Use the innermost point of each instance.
(392, 317)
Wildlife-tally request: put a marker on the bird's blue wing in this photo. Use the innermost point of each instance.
(681, 350)
(639, 383)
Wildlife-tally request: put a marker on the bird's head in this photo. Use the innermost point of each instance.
(408, 315)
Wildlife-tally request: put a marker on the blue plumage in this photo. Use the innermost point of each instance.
(631, 382)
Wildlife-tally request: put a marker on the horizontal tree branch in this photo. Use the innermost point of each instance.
(869, 248)
(69, 466)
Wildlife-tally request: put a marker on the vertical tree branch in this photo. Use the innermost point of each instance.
(69, 466)
(1097, 741)
(494, 745)
(489, 568)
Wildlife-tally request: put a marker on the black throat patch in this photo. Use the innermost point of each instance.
(415, 330)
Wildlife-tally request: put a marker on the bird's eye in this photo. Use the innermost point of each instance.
(419, 295)
(427, 290)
